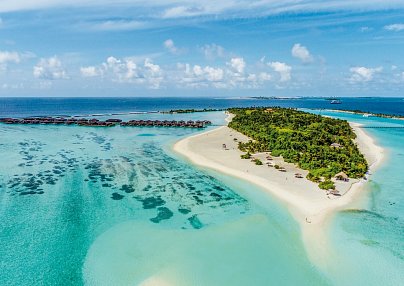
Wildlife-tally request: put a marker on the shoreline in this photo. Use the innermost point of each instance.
(367, 114)
(309, 206)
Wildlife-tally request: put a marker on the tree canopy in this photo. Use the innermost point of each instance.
(302, 138)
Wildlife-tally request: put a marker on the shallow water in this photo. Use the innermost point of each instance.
(369, 241)
(113, 206)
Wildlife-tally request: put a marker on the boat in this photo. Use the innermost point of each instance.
(335, 101)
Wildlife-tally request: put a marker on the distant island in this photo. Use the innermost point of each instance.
(369, 114)
(277, 97)
(192, 110)
(323, 146)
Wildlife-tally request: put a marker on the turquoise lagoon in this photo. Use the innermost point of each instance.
(115, 206)
(369, 240)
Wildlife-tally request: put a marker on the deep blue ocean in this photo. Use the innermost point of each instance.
(21, 107)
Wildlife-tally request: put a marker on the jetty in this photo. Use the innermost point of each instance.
(107, 123)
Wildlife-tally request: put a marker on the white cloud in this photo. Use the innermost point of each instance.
(283, 69)
(90, 71)
(363, 74)
(230, 76)
(144, 72)
(365, 29)
(214, 74)
(170, 46)
(9, 57)
(264, 76)
(302, 53)
(153, 74)
(117, 25)
(153, 68)
(127, 70)
(12, 86)
(394, 27)
(237, 64)
(213, 51)
(219, 9)
(49, 69)
(197, 76)
(181, 11)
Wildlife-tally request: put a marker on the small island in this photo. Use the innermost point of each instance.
(324, 146)
(314, 164)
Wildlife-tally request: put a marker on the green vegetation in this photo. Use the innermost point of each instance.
(257, 162)
(246, 156)
(301, 138)
(326, 185)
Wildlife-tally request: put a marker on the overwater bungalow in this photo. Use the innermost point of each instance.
(107, 123)
(113, 120)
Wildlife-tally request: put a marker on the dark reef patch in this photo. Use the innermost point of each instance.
(219, 188)
(127, 189)
(117, 197)
(198, 200)
(184, 211)
(151, 202)
(163, 213)
(147, 188)
(195, 222)
(216, 196)
(27, 193)
(159, 184)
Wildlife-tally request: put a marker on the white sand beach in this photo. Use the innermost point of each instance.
(305, 200)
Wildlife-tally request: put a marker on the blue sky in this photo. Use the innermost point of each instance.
(201, 48)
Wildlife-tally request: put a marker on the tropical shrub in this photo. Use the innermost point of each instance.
(258, 162)
(326, 185)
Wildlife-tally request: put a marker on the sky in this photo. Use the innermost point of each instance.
(227, 48)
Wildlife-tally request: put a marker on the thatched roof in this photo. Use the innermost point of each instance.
(336, 145)
(341, 175)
